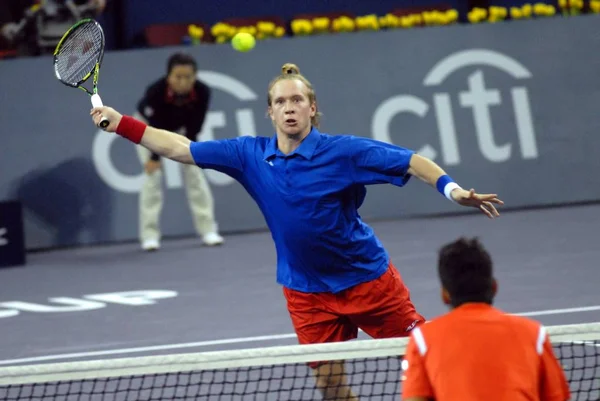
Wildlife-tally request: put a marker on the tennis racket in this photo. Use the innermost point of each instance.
(78, 56)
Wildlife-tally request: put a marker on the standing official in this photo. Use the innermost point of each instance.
(179, 103)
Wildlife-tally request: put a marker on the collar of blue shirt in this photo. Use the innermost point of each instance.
(306, 149)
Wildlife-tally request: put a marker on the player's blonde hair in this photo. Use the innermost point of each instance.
(291, 71)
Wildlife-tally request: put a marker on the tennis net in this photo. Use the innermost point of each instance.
(373, 368)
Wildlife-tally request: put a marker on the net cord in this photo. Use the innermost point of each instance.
(252, 357)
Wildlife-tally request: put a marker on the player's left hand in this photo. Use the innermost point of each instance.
(483, 202)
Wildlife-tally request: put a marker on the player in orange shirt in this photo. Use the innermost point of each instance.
(476, 352)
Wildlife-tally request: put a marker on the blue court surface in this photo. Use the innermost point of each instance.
(117, 301)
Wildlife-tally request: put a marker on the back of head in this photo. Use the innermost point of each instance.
(291, 71)
(466, 272)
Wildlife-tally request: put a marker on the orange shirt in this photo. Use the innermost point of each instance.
(476, 352)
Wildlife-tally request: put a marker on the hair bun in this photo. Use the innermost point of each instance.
(290, 69)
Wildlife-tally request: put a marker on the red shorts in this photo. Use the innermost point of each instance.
(381, 308)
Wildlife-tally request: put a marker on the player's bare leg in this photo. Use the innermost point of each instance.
(333, 383)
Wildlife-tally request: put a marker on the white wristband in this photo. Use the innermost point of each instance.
(451, 186)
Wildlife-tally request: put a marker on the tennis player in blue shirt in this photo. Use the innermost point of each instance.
(335, 273)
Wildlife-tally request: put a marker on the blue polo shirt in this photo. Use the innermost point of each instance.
(310, 200)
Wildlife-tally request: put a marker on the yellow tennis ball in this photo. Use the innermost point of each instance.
(243, 42)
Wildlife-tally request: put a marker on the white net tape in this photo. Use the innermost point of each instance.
(255, 357)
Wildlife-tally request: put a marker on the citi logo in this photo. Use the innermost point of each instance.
(479, 98)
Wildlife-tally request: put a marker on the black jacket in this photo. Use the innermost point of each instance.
(165, 110)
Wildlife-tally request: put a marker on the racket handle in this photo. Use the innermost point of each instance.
(97, 102)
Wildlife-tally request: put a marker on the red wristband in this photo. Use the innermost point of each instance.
(132, 129)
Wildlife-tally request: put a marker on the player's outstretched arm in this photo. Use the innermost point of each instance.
(429, 172)
(164, 143)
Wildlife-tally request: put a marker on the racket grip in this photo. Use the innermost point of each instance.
(97, 102)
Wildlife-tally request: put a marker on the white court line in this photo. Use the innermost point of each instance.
(235, 341)
(560, 311)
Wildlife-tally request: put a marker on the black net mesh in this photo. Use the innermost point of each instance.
(371, 378)
(79, 53)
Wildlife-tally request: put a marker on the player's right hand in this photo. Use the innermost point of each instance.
(113, 116)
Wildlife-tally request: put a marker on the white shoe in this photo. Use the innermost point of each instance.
(212, 239)
(150, 245)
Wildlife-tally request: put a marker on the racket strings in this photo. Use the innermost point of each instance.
(79, 53)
